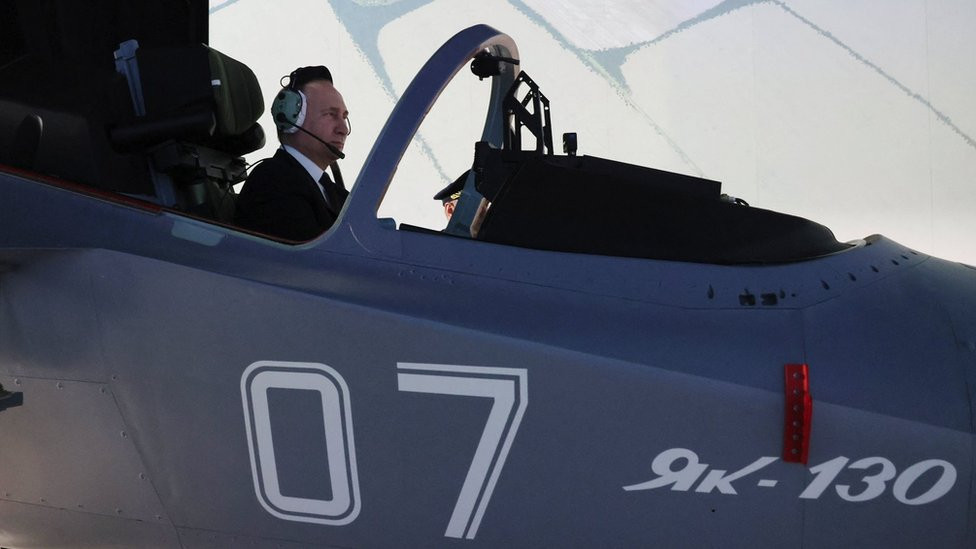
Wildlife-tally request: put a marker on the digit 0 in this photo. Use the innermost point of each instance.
(910, 475)
(333, 394)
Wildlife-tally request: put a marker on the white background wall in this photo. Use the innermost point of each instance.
(858, 114)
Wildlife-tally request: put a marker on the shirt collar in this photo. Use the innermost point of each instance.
(312, 169)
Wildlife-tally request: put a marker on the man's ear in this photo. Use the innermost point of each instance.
(449, 208)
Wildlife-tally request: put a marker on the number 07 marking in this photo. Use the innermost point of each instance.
(508, 389)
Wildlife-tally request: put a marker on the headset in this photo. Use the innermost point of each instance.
(290, 105)
(289, 110)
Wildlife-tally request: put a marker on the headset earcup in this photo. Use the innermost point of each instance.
(288, 110)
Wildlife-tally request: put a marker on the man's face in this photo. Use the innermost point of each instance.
(449, 208)
(327, 118)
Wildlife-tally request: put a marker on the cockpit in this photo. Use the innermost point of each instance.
(523, 194)
(164, 121)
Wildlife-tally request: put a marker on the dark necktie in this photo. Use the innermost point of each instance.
(332, 195)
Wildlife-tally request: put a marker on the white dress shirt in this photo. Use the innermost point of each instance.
(311, 167)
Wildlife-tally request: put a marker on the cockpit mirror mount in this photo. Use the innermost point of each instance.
(485, 65)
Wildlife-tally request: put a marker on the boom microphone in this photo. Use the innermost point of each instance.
(332, 148)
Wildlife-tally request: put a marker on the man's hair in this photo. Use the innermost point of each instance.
(303, 75)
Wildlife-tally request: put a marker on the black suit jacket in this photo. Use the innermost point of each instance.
(281, 199)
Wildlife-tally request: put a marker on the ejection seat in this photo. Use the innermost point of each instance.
(196, 113)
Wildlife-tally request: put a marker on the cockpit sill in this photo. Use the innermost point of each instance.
(435, 261)
(147, 205)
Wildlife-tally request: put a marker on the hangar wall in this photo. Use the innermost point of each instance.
(858, 114)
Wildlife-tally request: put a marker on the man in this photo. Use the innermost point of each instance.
(289, 195)
(450, 194)
(449, 197)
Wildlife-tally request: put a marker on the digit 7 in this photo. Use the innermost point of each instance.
(508, 388)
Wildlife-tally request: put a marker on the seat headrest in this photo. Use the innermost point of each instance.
(236, 92)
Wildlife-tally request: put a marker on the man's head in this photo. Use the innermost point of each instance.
(318, 110)
(450, 194)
